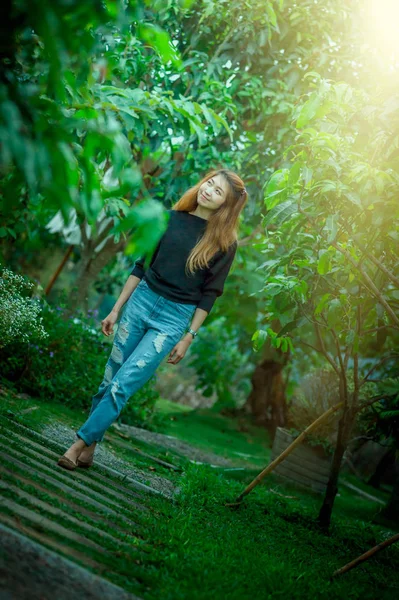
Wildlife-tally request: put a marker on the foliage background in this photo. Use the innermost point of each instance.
(109, 111)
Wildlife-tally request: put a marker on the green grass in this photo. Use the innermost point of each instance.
(167, 407)
(45, 412)
(240, 441)
(270, 547)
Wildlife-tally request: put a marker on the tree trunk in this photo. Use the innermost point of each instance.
(266, 402)
(90, 266)
(344, 432)
(55, 275)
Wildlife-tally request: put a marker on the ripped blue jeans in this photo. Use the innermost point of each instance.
(150, 327)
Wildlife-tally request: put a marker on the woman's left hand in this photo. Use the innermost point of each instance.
(178, 352)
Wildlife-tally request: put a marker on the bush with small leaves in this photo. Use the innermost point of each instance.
(67, 365)
(19, 314)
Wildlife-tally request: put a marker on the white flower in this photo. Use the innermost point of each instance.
(19, 315)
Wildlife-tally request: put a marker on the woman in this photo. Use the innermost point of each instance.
(173, 296)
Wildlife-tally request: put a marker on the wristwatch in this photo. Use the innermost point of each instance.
(193, 333)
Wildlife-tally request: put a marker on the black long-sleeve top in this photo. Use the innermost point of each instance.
(166, 272)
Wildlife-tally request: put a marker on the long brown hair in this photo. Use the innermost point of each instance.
(222, 225)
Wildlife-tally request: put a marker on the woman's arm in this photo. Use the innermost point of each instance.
(198, 318)
(107, 324)
(127, 291)
(180, 349)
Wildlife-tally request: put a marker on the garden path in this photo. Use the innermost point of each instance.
(74, 533)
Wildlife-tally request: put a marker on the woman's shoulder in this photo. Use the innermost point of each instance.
(225, 254)
(176, 213)
(232, 247)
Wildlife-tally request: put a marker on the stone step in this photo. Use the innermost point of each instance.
(102, 493)
(15, 525)
(94, 499)
(48, 527)
(77, 474)
(47, 574)
(127, 480)
(44, 523)
(91, 473)
(62, 499)
(32, 501)
(44, 508)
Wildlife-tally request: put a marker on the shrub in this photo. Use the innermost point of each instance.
(226, 369)
(67, 365)
(19, 314)
(317, 392)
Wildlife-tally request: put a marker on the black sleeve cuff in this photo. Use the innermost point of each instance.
(206, 302)
(138, 272)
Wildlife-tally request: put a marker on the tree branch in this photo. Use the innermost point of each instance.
(378, 263)
(324, 351)
(363, 381)
(245, 241)
(373, 400)
(359, 268)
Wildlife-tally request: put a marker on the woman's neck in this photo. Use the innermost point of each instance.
(201, 212)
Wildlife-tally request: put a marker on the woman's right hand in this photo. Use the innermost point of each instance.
(107, 324)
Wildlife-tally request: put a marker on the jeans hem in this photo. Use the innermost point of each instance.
(82, 438)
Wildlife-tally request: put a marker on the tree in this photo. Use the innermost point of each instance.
(335, 272)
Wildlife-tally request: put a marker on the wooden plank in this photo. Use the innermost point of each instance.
(46, 540)
(111, 497)
(321, 469)
(89, 499)
(45, 507)
(302, 484)
(95, 516)
(141, 487)
(298, 475)
(304, 451)
(93, 474)
(45, 523)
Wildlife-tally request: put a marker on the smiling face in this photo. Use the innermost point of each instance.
(213, 192)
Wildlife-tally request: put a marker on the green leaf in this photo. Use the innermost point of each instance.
(210, 117)
(334, 314)
(276, 188)
(354, 198)
(146, 221)
(288, 327)
(307, 175)
(294, 174)
(323, 266)
(271, 14)
(331, 226)
(323, 301)
(12, 232)
(259, 338)
(312, 74)
(160, 41)
(280, 213)
(309, 110)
